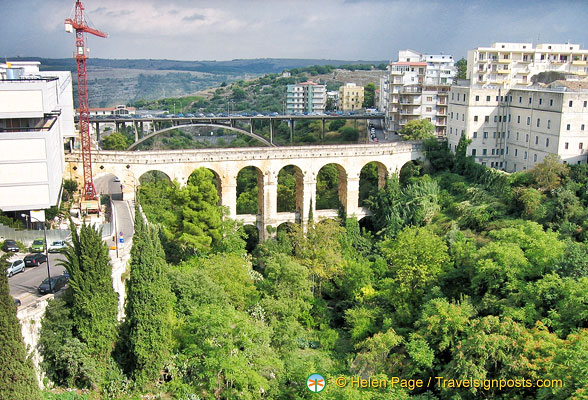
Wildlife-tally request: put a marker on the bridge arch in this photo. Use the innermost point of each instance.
(371, 178)
(290, 194)
(249, 190)
(211, 125)
(331, 195)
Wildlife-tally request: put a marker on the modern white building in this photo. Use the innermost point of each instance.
(416, 87)
(510, 64)
(36, 114)
(513, 129)
(306, 97)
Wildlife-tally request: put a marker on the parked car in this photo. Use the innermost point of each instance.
(15, 267)
(34, 260)
(57, 282)
(38, 246)
(10, 245)
(57, 246)
(17, 302)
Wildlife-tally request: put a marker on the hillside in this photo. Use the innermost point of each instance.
(115, 82)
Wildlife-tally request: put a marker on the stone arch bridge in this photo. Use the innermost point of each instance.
(129, 166)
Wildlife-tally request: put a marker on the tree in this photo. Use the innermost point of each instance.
(17, 376)
(149, 305)
(369, 95)
(349, 134)
(462, 68)
(550, 173)
(336, 124)
(418, 129)
(94, 302)
(201, 216)
(115, 141)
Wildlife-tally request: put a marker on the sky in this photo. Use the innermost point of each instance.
(320, 29)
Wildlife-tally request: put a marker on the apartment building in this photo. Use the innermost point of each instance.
(416, 87)
(36, 113)
(513, 64)
(350, 97)
(513, 129)
(306, 97)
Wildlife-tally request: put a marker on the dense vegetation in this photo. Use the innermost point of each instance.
(466, 273)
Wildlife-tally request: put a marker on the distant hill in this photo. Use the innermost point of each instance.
(238, 66)
(113, 82)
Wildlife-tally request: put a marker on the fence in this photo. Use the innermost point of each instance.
(27, 236)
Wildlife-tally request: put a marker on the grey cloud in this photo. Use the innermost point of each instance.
(194, 17)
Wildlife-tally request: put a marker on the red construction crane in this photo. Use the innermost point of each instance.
(81, 27)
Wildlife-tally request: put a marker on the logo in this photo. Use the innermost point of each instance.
(316, 383)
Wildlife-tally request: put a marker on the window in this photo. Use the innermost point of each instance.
(493, 151)
(485, 135)
(451, 114)
(540, 101)
(581, 146)
(518, 119)
(487, 98)
(463, 117)
(570, 103)
(516, 152)
(429, 98)
(506, 149)
(547, 142)
(517, 136)
(450, 131)
(496, 118)
(457, 116)
(535, 157)
(566, 145)
(582, 127)
(585, 103)
(487, 118)
(536, 139)
(520, 99)
(501, 153)
(527, 138)
(429, 109)
(530, 100)
(548, 124)
(538, 122)
(568, 127)
(509, 115)
(484, 152)
(550, 102)
(494, 135)
(473, 152)
(478, 99)
(475, 136)
(528, 120)
(525, 156)
(475, 118)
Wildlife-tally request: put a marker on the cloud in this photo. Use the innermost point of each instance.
(195, 17)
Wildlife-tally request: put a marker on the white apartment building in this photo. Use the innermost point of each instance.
(416, 87)
(510, 64)
(513, 129)
(36, 113)
(306, 97)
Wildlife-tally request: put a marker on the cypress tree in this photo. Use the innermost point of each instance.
(94, 302)
(17, 376)
(149, 305)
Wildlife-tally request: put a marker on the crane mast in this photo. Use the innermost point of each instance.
(81, 27)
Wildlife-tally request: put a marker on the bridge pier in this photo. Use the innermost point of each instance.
(323, 129)
(350, 198)
(269, 199)
(291, 130)
(271, 126)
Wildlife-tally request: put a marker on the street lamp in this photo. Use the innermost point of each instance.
(46, 248)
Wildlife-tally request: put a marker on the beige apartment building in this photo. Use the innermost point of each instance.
(350, 97)
(510, 64)
(513, 129)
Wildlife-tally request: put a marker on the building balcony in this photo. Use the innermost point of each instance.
(579, 62)
(504, 71)
(410, 112)
(504, 61)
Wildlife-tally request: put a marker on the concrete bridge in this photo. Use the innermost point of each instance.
(129, 166)
(239, 124)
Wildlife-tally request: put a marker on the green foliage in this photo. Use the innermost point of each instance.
(115, 141)
(17, 376)
(149, 316)
(327, 187)
(418, 129)
(462, 68)
(94, 302)
(369, 95)
(336, 124)
(550, 173)
(350, 134)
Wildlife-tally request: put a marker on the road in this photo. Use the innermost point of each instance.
(382, 136)
(23, 286)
